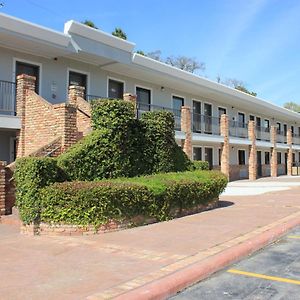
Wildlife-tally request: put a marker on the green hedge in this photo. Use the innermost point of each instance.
(94, 203)
(122, 146)
(31, 175)
(200, 165)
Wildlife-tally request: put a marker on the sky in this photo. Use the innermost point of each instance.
(256, 41)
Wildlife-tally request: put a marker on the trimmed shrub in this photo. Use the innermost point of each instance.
(162, 152)
(31, 175)
(200, 165)
(96, 203)
(121, 146)
(112, 114)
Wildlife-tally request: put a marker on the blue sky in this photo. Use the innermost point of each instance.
(256, 41)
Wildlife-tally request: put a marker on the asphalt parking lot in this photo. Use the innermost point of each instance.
(272, 273)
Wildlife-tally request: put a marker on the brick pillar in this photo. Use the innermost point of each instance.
(289, 139)
(273, 151)
(67, 124)
(25, 83)
(2, 188)
(74, 92)
(224, 130)
(186, 127)
(252, 151)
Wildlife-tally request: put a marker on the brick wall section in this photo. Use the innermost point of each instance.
(2, 187)
(41, 121)
(252, 151)
(224, 130)
(273, 160)
(290, 152)
(186, 127)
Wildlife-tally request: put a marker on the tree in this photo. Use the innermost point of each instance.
(118, 32)
(141, 52)
(155, 55)
(238, 85)
(292, 106)
(90, 24)
(185, 63)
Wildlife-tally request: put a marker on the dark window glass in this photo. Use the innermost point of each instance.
(267, 123)
(267, 158)
(242, 158)
(197, 153)
(258, 121)
(115, 89)
(220, 156)
(78, 79)
(31, 70)
(252, 118)
(177, 102)
(241, 118)
(143, 98)
(284, 129)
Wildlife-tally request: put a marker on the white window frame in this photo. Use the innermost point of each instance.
(80, 72)
(212, 108)
(115, 79)
(38, 64)
(201, 104)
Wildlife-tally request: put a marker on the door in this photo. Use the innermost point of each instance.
(208, 156)
(178, 102)
(259, 166)
(207, 118)
(78, 79)
(196, 116)
(197, 153)
(29, 69)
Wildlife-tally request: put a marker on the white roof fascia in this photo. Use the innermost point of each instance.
(33, 31)
(97, 35)
(155, 65)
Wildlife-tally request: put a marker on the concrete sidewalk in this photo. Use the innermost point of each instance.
(113, 264)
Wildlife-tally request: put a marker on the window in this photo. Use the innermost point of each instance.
(220, 156)
(78, 79)
(178, 102)
(31, 70)
(278, 127)
(258, 121)
(197, 153)
(143, 98)
(115, 89)
(266, 123)
(222, 111)
(252, 118)
(241, 118)
(294, 158)
(292, 129)
(267, 158)
(278, 158)
(241, 157)
(284, 129)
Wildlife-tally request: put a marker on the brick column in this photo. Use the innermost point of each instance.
(186, 127)
(273, 151)
(25, 83)
(289, 139)
(74, 92)
(2, 187)
(224, 130)
(252, 151)
(67, 124)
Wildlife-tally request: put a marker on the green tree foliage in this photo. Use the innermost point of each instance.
(90, 24)
(118, 32)
(292, 106)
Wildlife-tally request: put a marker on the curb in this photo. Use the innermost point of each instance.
(175, 282)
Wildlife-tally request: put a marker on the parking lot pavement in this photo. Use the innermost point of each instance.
(272, 273)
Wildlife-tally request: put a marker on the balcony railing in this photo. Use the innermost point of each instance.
(238, 129)
(7, 97)
(263, 133)
(281, 137)
(145, 107)
(206, 124)
(296, 139)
